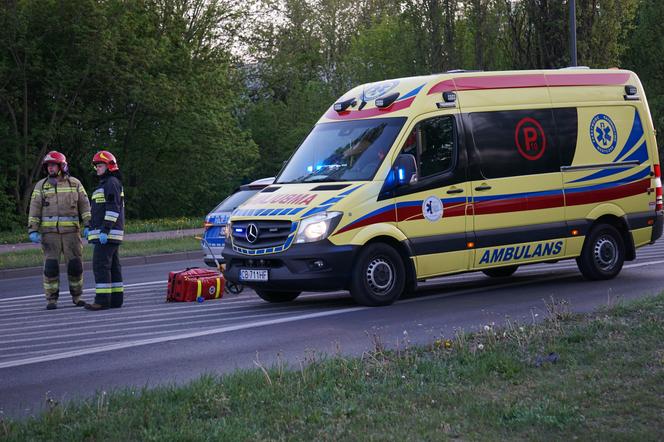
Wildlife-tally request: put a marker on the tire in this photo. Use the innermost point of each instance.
(500, 272)
(233, 288)
(379, 276)
(603, 253)
(275, 296)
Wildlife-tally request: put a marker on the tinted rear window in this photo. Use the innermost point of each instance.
(523, 142)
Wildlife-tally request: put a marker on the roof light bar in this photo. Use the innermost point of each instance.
(449, 100)
(631, 93)
(343, 105)
(387, 100)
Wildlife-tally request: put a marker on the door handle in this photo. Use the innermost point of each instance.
(483, 187)
(451, 191)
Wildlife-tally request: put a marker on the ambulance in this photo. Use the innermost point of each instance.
(415, 178)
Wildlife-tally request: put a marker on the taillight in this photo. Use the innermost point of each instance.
(658, 188)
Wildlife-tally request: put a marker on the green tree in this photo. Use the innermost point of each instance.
(645, 56)
(602, 30)
(50, 51)
(297, 72)
(379, 52)
(151, 80)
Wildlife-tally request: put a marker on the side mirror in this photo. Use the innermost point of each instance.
(406, 169)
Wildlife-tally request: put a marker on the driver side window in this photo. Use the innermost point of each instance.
(433, 144)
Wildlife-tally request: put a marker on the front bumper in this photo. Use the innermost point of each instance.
(295, 268)
(657, 227)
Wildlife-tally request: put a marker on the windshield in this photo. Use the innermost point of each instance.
(234, 200)
(343, 151)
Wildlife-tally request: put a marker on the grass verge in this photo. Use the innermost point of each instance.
(19, 235)
(34, 257)
(599, 377)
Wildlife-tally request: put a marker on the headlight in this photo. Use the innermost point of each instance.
(317, 227)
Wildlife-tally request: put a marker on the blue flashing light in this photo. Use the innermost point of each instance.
(402, 175)
(310, 169)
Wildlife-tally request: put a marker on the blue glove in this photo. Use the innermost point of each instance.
(86, 232)
(35, 237)
(103, 238)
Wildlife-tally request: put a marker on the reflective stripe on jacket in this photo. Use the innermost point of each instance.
(59, 207)
(107, 210)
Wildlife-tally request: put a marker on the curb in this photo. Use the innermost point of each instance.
(126, 261)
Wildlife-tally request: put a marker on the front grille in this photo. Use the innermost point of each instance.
(269, 233)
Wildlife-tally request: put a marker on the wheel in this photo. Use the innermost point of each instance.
(500, 272)
(275, 296)
(603, 253)
(379, 276)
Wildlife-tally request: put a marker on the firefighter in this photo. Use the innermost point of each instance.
(106, 233)
(57, 207)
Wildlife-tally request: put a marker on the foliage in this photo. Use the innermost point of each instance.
(149, 80)
(19, 234)
(646, 56)
(150, 247)
(195, 96)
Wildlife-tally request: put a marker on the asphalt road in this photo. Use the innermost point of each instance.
(71, 353)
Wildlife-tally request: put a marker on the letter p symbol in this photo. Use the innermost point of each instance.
(530, 138)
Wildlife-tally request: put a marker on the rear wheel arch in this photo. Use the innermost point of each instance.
(603, 252)
(621, 225)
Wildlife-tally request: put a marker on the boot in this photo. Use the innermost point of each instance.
(51, 306)
(95, 307)
(78, 302)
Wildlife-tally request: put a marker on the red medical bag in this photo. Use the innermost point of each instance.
(194, 283)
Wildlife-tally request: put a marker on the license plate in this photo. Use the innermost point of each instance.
(253, 275)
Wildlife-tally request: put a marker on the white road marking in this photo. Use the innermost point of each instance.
(108, 336)
(88, 290)
(180, 336)
(95, 324)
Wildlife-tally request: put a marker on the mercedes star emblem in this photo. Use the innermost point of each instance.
(252, 233)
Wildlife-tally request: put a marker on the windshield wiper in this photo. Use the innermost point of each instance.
(326, 179)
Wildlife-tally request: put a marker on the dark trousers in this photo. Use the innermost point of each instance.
(109, 290)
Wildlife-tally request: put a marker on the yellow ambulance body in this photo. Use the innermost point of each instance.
(413, 178)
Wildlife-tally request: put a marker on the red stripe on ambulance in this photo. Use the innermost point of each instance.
(528, 80)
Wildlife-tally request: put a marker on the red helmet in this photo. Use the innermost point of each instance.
(56, 157)
(104, 156)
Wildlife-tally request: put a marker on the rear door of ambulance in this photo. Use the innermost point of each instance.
(610, 171)
(518, 205)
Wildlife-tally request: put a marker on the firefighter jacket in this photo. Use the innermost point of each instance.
(58, 207)
(107, 210)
